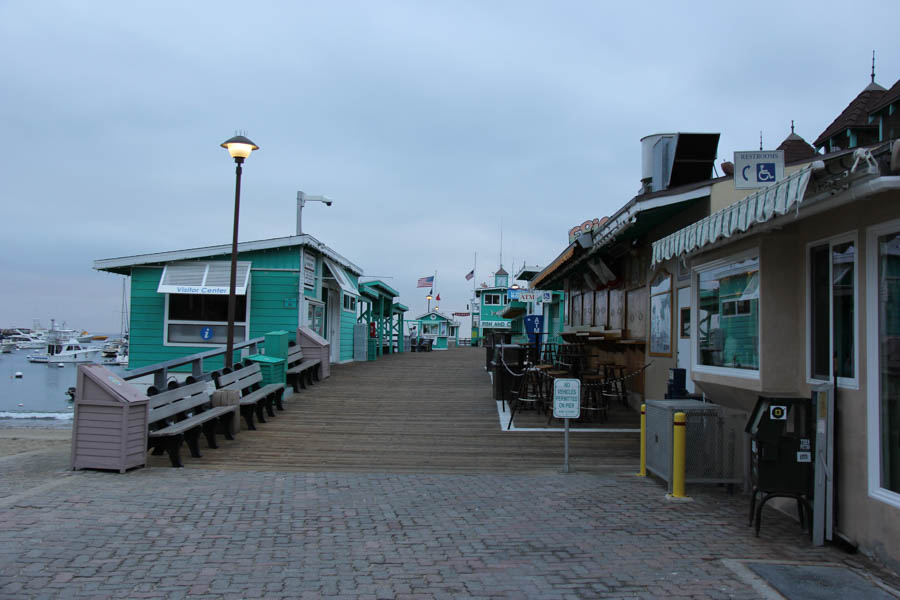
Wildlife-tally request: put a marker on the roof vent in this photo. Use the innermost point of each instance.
(673, 159)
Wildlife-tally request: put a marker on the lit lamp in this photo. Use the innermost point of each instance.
(429, 298)
(239, 147)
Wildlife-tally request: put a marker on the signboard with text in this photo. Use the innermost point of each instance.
(566, 398)
(495, 324)
(309, 270)
(758, 169)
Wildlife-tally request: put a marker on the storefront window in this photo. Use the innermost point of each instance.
(888, 291)
(200, 319)
(661, 315)
(315, 317)
(728, 314)
(492, 299)
(832, 268)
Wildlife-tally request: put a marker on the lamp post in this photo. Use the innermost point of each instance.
(428, 297)
(239, 147)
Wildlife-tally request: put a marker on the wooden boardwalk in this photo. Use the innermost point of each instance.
(413, 413)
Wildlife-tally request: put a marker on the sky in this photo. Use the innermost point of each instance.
(433, 126)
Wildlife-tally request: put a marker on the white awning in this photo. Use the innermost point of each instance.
(205, 278)
(759, 207)
(341, 277)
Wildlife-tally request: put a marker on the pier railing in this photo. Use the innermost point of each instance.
(160, 371)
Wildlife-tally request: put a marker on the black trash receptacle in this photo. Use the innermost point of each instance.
(508, 364)
(489, 352)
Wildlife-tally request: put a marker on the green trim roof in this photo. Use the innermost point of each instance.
(123, 265)
(377, 288)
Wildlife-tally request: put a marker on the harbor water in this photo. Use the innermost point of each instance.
(37, 398)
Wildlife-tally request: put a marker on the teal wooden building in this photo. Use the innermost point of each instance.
(179, 299)
(436, 326)
(490, 302)
(382, 318)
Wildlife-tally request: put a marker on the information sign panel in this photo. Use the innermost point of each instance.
(566, 398)
(758, 169)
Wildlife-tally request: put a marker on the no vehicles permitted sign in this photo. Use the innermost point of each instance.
(566, 398)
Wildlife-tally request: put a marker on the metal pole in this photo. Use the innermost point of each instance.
(678, 454)
(229, 345)
(566, 446)
(643, 471)
(301, 201)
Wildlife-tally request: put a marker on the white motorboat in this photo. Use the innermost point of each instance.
(71, 351)
(7, 346)
(26, 340)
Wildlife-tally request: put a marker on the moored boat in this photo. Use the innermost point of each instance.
(71, 351)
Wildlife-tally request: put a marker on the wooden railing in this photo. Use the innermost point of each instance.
(160, 371)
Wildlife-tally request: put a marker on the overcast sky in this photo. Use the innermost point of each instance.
(428, 123)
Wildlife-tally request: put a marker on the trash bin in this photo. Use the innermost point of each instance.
(508, 357)
(110, 426)
(272, 369)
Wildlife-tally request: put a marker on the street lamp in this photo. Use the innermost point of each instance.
(429, 298)
(239, 147)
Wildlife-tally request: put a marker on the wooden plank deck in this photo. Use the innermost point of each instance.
(411, 412)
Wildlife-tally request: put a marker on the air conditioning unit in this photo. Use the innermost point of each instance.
(716, 445)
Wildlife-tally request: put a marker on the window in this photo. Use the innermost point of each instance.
(492, 299)
(350, 303)
(728, 314)
(198, 319)
(832, 311)
(661, 315)
(883, 339)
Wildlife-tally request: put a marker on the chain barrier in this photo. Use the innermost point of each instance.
(605, 382)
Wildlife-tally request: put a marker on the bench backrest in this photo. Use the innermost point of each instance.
(295, 355)
(171, 402)
(243, 379)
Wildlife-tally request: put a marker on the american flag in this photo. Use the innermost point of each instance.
(470, 275)
(425, 281)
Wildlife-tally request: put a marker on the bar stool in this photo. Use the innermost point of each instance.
(593, 402)
(530, 394)
(616, 377)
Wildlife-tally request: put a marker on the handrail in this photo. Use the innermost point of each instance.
(160, 371)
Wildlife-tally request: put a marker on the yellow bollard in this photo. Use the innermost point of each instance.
(678, 455)
(643, 471)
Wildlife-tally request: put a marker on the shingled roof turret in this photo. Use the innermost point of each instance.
(855, 115)
(796, 148)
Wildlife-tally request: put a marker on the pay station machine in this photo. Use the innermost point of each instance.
(782, 443)
(791, 452)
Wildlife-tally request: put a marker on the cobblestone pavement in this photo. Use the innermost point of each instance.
(167, 533)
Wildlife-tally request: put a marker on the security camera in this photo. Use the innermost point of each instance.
(328, 203)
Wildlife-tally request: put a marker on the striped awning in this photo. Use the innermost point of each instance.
(758, 207)
(211, 278)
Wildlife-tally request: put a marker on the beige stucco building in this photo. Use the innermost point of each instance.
(817, 300)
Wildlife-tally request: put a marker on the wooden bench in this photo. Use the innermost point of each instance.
(180, 414)
(301, 372)
(255, 397)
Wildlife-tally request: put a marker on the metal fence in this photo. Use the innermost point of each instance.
(715, 440)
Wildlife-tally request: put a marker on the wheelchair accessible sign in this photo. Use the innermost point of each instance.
(758, 169)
